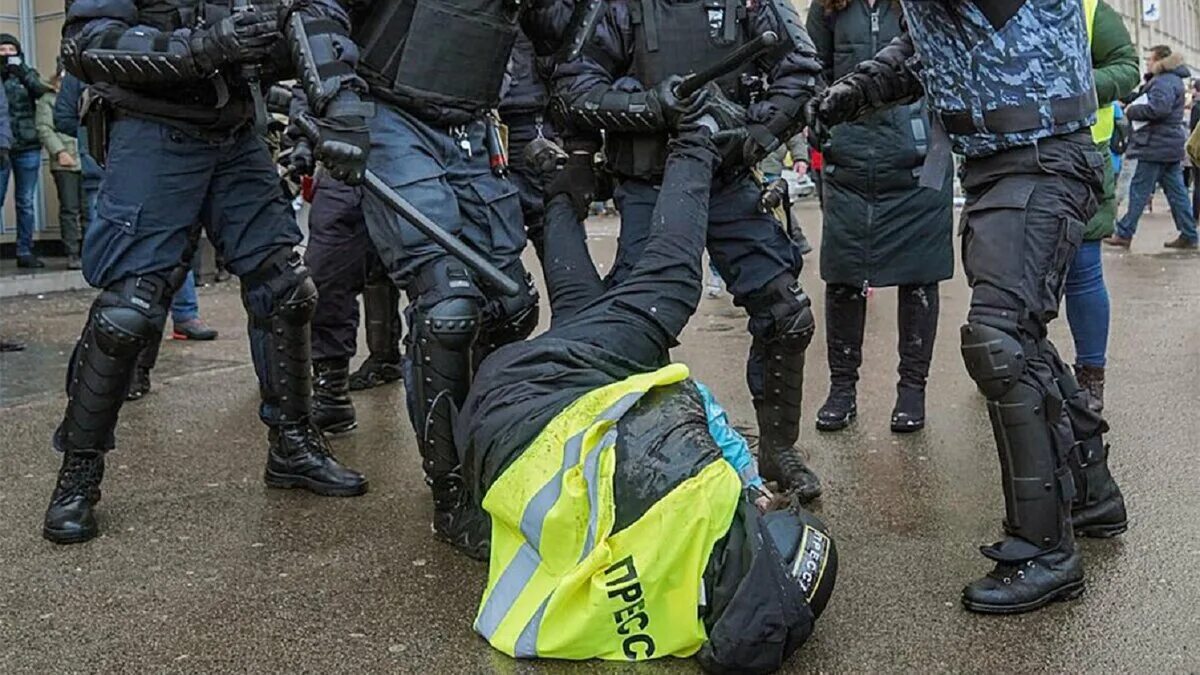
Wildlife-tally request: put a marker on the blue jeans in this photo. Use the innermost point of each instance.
(1170, 176)
(1088, 306)
(26, 166)
(185, 306)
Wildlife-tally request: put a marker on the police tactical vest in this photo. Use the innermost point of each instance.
(1006, 78)
(677, 38)
(426, 55)
(170, 15)
(561, 582)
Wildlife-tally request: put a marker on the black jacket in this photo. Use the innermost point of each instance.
(22, 88)
(880, 227)
(1164, 135)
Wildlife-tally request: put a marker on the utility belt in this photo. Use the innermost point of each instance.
(104, 105)
(641, 156)
(1016, 119)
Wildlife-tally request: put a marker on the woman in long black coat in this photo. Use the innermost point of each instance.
(880, 227)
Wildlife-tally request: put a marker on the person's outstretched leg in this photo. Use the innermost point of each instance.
(571, 277)
(642, 316)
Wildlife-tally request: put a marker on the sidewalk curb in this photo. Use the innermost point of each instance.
(43, 282)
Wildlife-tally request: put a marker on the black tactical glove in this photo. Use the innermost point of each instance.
(671, 106)
(840, 102)
(342, 146)
(248, 36)
(577, 180)
(300, 159)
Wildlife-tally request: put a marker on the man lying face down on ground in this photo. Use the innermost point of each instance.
(628, 520)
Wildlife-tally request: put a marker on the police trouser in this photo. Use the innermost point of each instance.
(344, 263)
(760, 264)
(641, 316)
(445, 174)
(159, 183)
(1023, 221)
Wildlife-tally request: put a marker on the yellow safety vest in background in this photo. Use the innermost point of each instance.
(560, 583)
(1102, 130)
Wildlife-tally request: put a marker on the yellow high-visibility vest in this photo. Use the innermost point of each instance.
(1102, 130)
(561, 584)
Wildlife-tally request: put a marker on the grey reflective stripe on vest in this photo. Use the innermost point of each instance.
(520, 571)
(591, 473)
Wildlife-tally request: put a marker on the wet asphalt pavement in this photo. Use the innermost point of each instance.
(202, 569)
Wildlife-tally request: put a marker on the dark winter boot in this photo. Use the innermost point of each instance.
(381, 305)
(1099, 508)
(332, 409)
(300, 457)
(70, 518)
(1091, 378)
(845, 320)
(917, 317)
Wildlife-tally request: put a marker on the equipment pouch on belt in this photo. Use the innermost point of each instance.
(97, 119)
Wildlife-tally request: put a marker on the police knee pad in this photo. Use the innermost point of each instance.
(451, 324)
(995, 359)
(782, 315)
(282, 286)
(131, 313)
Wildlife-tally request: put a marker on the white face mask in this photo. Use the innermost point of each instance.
(14, 60)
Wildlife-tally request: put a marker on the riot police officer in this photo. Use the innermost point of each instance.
(179, 102)
(621, 83)
(1010, 84)
(435, 68)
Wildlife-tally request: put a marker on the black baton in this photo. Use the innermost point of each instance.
(734, 60)
(455, 247)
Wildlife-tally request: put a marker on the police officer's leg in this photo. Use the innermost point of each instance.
(381, 305)
(443, 311)
(336, 257)
(492, 223)
(252, 224)
(760, 264)
(1018, 240)
(150, 197)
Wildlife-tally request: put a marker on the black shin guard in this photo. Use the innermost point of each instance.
(506, 318)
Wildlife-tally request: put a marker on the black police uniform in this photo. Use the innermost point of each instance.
(344, 264)
(435, 68)
(636, 46)
(176, 79)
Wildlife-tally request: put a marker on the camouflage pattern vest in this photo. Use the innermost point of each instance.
(1006, 75)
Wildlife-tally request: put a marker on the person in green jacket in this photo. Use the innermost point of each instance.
(63, 150)
(1115, 64)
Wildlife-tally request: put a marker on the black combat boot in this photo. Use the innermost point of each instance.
(1098, 509)
(917, 317)
(845, 320)
(70, 518)
(1091, 378)
(381, 305)
(300, 457)
(332, 409)
(1013, 587)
